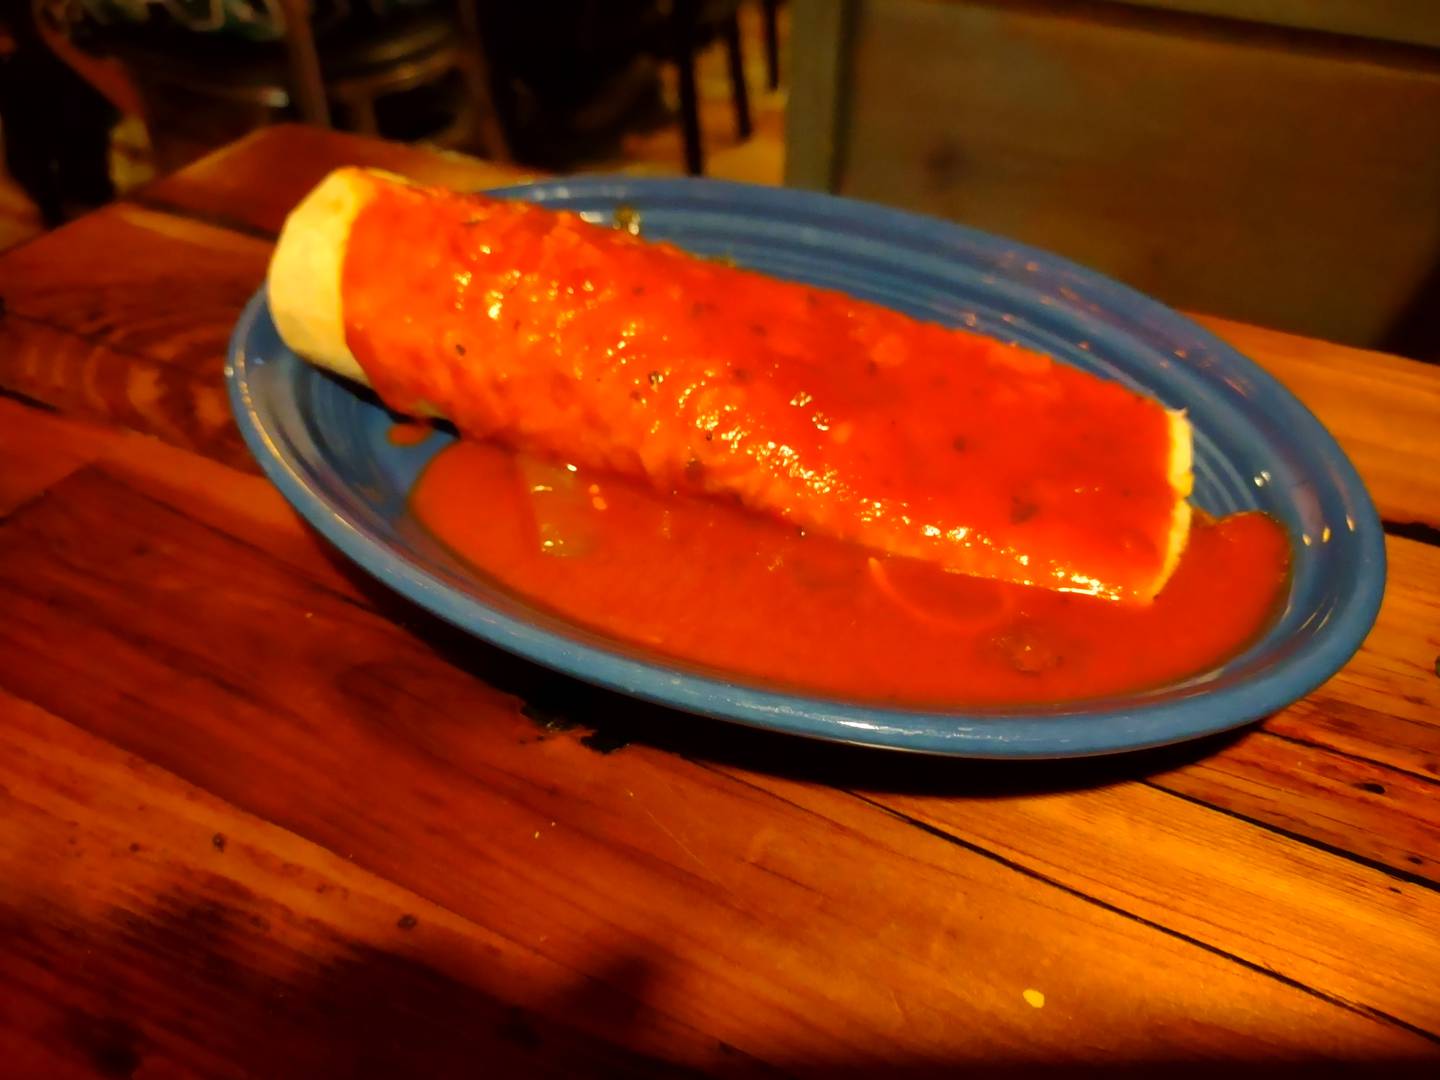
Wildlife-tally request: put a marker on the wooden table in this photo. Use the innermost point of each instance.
(259, 816)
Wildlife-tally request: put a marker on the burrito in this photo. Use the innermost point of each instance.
(590, 346)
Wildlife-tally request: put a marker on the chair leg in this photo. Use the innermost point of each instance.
(360, 110)
(479, 79)
(738, 90)
(683, 47)
(307, 87)
(482, 99)
(772, 43)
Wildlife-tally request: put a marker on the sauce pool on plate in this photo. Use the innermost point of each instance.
(408, 433)
(705, 583)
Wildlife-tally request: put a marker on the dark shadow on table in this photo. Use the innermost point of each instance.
(192, 979)
(184, 979)
(606, 721)
(1158, 1068)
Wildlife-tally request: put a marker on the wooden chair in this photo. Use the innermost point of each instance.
(771, 10)
(692, 24)
(61, 167)
(343, 75)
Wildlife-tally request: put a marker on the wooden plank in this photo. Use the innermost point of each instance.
(1329, 718)
(138, 281)
(138, 337)
(185, 406)
(1289, 908)
(255, 182)
(1382, 409)
(1385, 704)
(1389, 818)
(293, 695)
(149, 928)
(39, 448)
(1356, 766)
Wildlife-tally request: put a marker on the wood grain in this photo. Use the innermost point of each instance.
(39, 448)
(732, 897)
(137, 281)
(1361, 809)
(138, 337)
(181, 658)
(731, 879)
(212, 943)
(1385, 705)
(63, 371)
(1309, 915)
(255, 182)
(1382, 409)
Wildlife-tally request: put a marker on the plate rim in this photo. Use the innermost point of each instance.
(1072, 733)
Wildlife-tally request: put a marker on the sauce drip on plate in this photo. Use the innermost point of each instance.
(407, 433)
(702, 581)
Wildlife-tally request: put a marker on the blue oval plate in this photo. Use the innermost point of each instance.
(1256, 447)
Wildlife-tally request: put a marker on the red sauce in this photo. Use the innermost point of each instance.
(704, 582)
(845, 417)
(406, 433)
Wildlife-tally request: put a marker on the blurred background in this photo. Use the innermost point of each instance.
(1274, 161)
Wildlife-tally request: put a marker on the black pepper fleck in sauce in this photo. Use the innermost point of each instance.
(1022, 509)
